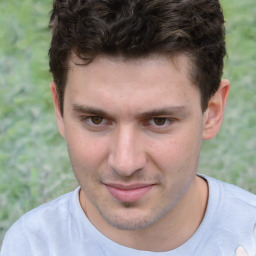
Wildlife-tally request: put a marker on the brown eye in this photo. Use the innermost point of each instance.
(96, 120)
(159, 121)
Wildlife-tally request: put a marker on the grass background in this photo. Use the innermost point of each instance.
(34, 165)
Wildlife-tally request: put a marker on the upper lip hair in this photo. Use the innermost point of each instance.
(128, 187)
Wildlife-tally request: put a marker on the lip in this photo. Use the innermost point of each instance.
(128, 193)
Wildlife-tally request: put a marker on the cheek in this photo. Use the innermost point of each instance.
(86, 153)
(177, 160)
(177, 153)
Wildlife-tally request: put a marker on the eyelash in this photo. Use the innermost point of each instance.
(166, 121)
(98, 118)
(87, 120)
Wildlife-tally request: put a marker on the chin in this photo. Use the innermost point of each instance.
(133, 219)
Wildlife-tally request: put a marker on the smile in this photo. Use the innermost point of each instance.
(128, 193)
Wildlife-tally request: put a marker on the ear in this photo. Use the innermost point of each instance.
(59, 117)
(214, 114)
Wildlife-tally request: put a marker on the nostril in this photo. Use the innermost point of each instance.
(128, 165)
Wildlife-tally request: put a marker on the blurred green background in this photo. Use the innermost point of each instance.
(34, 165)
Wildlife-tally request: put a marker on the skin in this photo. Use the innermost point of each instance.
(134, 130)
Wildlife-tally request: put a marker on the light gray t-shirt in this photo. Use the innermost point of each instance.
(60, 228)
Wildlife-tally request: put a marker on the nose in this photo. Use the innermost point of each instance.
(127, 155)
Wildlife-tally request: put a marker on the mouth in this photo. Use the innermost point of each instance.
(128, 193)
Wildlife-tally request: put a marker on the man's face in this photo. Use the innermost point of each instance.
(133, 130)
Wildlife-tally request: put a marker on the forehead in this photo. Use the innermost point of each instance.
(141, 82)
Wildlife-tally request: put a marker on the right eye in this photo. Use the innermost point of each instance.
(95, 123)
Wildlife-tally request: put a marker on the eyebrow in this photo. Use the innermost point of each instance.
(89, 110)
(181, 111)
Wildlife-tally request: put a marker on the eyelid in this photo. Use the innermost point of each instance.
(169, 121)
(88, 117)
(153, 121)
(90, 120)
(88, 124)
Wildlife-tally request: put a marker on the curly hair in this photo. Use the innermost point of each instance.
(137, 28)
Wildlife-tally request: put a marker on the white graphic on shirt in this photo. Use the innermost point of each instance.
(241, 251)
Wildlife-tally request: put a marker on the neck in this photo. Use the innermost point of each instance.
(174, 229)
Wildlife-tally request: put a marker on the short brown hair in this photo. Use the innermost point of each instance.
(137, 28)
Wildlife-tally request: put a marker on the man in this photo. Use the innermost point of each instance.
(137, 87)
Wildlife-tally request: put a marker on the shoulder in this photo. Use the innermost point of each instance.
(232, 200)
(234, 195)
(52, 211)
(239, 207)
(38, 224)
(234, 225)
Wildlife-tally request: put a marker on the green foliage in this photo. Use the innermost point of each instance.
(231, 156)
(34, 164)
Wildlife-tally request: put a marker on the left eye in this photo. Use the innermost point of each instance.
(96, 120)
(159, 121)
